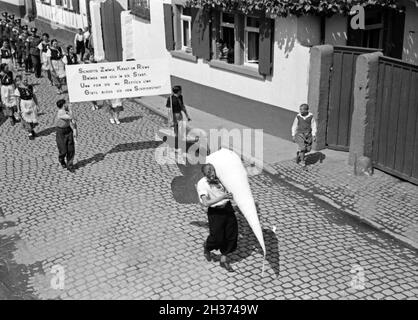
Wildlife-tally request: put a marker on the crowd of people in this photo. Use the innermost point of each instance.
(24, 52)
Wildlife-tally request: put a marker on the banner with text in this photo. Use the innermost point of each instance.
(124, 79)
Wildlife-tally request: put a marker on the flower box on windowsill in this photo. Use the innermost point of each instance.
(249, 71)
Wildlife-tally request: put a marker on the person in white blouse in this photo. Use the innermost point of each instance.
(87, 38)
(223, 225)
(56, 64)
(303, 132)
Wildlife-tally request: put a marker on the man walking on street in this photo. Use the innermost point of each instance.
(35, 53)
(65, 136)
(176, 106)
(223, 225)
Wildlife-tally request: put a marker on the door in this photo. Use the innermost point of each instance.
(111, 28)
(395, 143)
(341, 100)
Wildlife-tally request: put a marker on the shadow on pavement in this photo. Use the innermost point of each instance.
(130, 119)
(46, 132)
(124, 147)
(247, 243)
(313, 158)
(200, 224)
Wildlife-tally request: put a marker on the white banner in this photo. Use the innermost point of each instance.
(124, 79)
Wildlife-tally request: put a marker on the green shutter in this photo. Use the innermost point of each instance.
(201, 31)
(265, 60)
(169, 29)
(76, 6)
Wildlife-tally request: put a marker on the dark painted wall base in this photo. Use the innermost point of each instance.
(18, 11)
(251, 113)
(63, 34)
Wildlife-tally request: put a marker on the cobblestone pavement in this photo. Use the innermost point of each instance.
(386, 201)
(125, 227)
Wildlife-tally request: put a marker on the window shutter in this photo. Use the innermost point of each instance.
(394, 32)
(58, 2)
(168, 23)
(76, 6)
(265, 62)
(201, 33)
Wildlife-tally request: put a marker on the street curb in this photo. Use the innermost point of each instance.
(263, 166)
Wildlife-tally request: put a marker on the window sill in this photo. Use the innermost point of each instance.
(241, 69)
(183, 55)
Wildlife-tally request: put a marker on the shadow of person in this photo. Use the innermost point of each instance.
(200, 224)
(130, 119)
(184, 187)
(94, 159)
(46, 132)
(315, 157)
(3, 119)
(135, 146)
(123, 147)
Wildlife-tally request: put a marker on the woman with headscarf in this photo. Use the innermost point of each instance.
(7, 93)
(56, 65)
(6, 55)
(28, 105)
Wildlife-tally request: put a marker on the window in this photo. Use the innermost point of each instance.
(140, 8)
(225, 45)
(252, 40)
(373, 33)
(186, 29)
(67, 4)
(384, 29)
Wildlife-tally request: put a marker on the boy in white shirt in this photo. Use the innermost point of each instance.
(303, 132)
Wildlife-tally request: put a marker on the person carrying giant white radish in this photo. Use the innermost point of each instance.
(232, 174)
(223, 225)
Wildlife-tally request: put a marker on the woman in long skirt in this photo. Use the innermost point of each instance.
(28, 105)
(43, 47)
(7, 93)
(55, 56)
(6, 55)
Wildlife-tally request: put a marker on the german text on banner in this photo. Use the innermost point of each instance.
(124, 79)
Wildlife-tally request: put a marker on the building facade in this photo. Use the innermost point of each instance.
(17, 7)
(62, 16)
(248, 69)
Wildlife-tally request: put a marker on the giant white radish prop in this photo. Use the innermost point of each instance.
(232, 174)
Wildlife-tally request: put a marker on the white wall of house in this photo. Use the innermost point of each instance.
(57, 15)
(286, 88)
(14, 2)
(410, 41)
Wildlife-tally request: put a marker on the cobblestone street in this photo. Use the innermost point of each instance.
(125, 227)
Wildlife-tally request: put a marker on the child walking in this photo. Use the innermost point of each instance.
(115, 108)
(303, 132)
